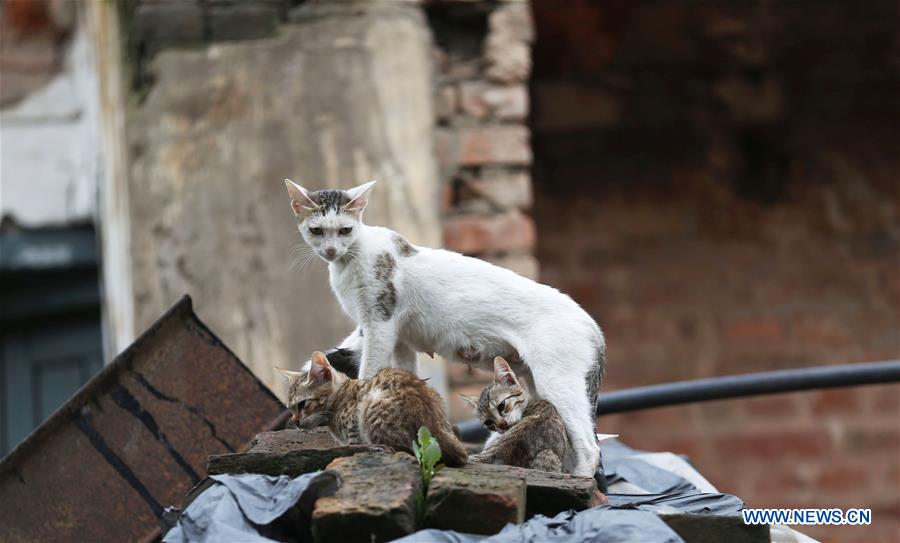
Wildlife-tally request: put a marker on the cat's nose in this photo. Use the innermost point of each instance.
(330, 252)
(295, 419)
(502, 425)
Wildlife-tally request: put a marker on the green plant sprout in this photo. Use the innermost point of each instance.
(428, 453)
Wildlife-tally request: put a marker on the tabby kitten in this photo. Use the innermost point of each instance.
(531, 432)
(387, 409)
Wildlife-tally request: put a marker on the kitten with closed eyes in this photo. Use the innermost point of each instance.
(531, 432)
(387, 409)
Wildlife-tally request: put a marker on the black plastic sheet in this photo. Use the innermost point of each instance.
(597, 524)
(239, 507)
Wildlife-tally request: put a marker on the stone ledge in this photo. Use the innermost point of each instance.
(548, 493)
(293, 439)
(287, 452)
(466, 501)
(375, 502)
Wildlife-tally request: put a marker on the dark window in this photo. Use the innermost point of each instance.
(50, 339)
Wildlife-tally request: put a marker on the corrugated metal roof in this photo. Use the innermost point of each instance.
(135, 438)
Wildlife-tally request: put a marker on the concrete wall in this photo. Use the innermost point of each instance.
(341, 95)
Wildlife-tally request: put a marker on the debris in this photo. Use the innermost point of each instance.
(288, 452)
(548, 493)
(376, 501)
(468, 500)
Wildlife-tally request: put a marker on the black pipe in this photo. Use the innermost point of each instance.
(730, 386)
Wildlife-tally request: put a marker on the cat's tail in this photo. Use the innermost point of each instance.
(595, 374)
(453, 453)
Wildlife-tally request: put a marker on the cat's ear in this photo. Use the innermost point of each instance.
(358, 197)
(319, 368)
(288, 374)
(503, 374)
(301, 202)
(470, 399)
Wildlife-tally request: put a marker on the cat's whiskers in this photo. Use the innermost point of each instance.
(302, 258)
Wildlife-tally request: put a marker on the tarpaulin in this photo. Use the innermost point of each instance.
(238, 506)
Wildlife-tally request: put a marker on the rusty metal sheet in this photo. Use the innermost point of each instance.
(135, 438)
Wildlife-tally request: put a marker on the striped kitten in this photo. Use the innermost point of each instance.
(387, 409)
(531, 432)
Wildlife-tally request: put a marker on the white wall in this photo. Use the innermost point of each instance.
(49, 153)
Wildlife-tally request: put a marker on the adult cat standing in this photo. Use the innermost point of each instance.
(406, 299)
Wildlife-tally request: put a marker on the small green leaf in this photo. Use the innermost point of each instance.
(424, 436)
(432, 454)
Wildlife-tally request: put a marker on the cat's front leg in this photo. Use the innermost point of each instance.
(378, 348)
(353, 437)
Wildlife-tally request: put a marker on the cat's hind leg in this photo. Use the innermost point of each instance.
(567, 392)
(546, 460)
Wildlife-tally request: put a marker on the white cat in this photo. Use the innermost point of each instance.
(406, 299)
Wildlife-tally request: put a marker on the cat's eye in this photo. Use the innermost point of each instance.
(489, 424)
(345, 231)
(315, 231)
(300, 405)
(501, 407)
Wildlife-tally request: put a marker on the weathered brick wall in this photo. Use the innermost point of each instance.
(717, 183)
(483, 65)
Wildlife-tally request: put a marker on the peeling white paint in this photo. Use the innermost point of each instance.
(49, 150)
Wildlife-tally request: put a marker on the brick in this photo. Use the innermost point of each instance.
(780, 406)
(288, 452)
(839, 400)
(375, 502)
(244, 20)
(445, 101)
(772, 445)
(547, 493)
(480, 100)
(525, 265)
(508, 60)
(448, 197)
(761, 329)
(507, 48)
(506, 190)
(513, 20)
(863, 440)
(293, 439)
(841, 477)
(478, 234)
(465, 501)
(498, 145)
(885, 399)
